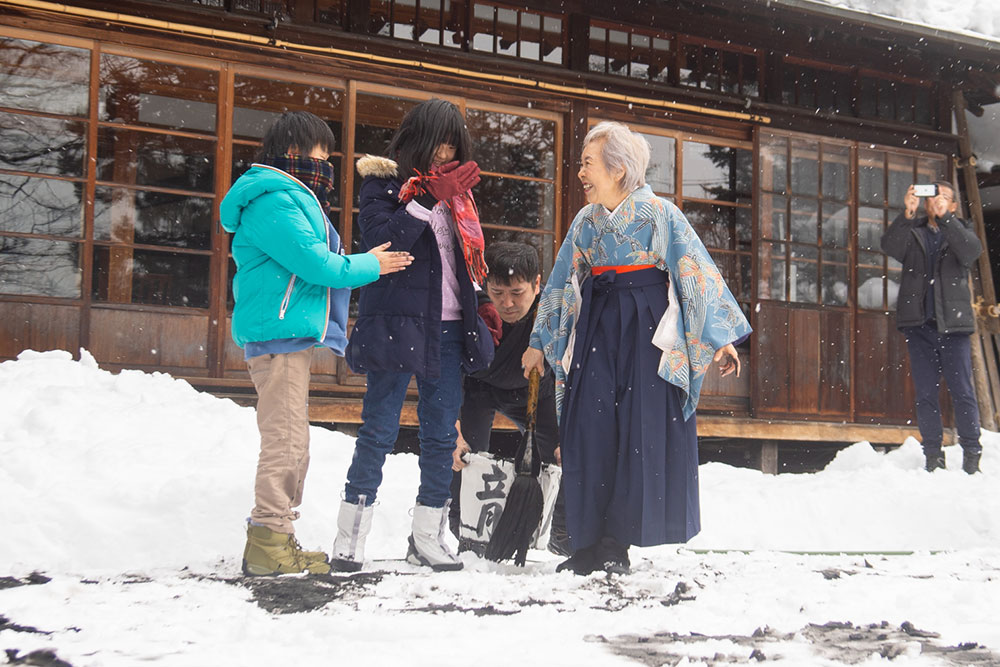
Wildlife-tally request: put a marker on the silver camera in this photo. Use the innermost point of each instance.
(929, 190)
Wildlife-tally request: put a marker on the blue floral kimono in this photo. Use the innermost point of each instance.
(629, 365)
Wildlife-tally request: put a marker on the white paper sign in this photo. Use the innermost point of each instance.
(485, 483)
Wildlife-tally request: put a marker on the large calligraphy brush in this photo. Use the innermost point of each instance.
(523, 510)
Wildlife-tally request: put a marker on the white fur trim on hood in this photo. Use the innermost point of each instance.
(373, 165)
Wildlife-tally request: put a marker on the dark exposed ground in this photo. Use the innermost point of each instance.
(842, 643)
(835, 642)
(292, 595)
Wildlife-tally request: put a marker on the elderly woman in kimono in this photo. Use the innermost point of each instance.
(632, 315)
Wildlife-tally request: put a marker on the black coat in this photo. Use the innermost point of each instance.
(399, 321)
(506, 372)
(960, 247)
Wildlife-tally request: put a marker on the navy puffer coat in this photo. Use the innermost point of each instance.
(399, 321)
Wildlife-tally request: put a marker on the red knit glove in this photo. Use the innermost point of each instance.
(450, 180)
(489, 313)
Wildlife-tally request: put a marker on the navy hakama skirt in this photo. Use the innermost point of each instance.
(630, 460)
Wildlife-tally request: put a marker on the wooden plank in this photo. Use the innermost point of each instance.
(980, 378)
(40, 327)
(149, 339)
(881, 383)
(813, 431)
(982, 342)
(772, 373)
(834, 383)
(349, 412)
(992, 344)
(871, 361)
(901, 403)
(804, 360)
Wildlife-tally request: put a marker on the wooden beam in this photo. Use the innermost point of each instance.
(348, 411)
(340, 411)
(991, 350)
(968, 170)
(984, 361)
(813, 431)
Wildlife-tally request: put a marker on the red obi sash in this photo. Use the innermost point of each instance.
(598, 270)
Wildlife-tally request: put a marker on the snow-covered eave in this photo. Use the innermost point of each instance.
(893, 24)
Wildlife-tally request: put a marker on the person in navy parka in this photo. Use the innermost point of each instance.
(421, 322)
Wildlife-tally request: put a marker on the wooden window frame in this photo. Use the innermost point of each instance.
(684, 41)
(555, 234)
(851, 203)
(84, 240)
(857, 75)
(441, 26)
(215, 137)
(631, 49)
(471, 30)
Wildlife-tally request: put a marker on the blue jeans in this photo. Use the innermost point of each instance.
(440, 399)
(934, 356)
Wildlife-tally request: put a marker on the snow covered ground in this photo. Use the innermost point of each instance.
(126, 496)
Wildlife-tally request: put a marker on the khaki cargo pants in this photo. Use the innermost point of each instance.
(282, 383)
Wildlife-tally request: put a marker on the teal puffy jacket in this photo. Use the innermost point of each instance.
(284, 267)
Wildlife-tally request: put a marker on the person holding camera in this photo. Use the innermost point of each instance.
(934, 313)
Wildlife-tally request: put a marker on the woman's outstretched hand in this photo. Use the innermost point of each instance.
(390, 262)
(532, 359)
(730, 360)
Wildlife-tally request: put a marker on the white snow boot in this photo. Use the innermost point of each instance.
(427, 545)
(354, 522)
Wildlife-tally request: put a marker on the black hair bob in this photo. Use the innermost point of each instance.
(424, 128)
(511, 262)
(296, 130)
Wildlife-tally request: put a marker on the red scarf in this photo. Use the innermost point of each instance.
(465, 219)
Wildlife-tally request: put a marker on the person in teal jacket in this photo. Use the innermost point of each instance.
(292, 288)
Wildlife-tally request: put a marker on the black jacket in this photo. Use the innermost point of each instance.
(960, 247)
(506, 372)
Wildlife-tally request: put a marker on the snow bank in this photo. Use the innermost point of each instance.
(110, 473)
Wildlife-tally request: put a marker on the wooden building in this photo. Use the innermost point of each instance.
(786, 131)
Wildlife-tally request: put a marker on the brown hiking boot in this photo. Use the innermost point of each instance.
(269, 552)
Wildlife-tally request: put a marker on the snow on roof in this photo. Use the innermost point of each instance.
(972, 18)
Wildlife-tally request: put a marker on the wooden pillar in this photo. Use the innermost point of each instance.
(767, 458)
(123, 218)
(984, 360)
(578, 29)
(356, 16)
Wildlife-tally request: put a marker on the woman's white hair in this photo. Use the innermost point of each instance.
(623, 149)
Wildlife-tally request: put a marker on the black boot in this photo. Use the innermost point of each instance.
(970, 461)
(612, 556)
(582, 562)
(558, 537)
(935, 460)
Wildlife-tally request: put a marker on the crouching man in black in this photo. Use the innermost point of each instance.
(513, 287)
(934, 312)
